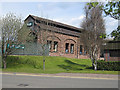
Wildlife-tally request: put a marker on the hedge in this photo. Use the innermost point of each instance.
(110, 66)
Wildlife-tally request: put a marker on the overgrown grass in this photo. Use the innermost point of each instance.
(34, 64)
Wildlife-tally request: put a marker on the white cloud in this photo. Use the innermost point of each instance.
(111, 24)
(40, 5)
(75, 21)
(0, 9)
(78, 18)
(54, 0)
(119, 22)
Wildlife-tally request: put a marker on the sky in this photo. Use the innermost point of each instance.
(71, 13)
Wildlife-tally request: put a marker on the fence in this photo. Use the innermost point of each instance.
(31, 49)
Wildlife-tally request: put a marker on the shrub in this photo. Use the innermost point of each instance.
(24, 60)
(110, 66)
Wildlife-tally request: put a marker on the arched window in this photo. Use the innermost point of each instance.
(72, 48)
(55, 48)
(81, 51)
(67, 47)
(49, 43)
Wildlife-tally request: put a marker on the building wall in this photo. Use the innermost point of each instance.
(109, 57)
(61, 38)
(114, 58)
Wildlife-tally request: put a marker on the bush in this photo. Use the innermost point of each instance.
(24, 60)
(110, 66)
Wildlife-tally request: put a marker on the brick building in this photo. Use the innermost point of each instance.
(63, 40)
(112, 51)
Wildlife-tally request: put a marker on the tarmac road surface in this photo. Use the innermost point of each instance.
(26, 81)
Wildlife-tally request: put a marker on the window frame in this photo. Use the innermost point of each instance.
(81, 50)
(54, 47)
(71, 48)
(49, 42)
(67, 48)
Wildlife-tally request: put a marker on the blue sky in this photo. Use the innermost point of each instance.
(71, 13)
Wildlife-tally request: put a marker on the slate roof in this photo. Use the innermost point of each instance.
(58, 27)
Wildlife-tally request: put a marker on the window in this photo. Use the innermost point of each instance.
(114, 53)
(29, 24)
(67, 47)
(38, 21)
(49, 43)
(80, 49)
(85, 52)
(55, 46)
(72, 48)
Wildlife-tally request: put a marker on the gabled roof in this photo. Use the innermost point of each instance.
(54, 22)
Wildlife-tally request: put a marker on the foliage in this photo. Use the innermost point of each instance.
(11, 27)
(112, 9)
(110, 66)
(116, 34)
(24, 34)
(13, 61)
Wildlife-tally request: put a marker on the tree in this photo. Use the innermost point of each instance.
(44, 35)
(44, 32)
(112, 9)
(93, 26)
(116, 34)
(0, 45)
(10, 26)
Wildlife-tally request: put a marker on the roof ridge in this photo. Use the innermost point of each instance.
(35, 17)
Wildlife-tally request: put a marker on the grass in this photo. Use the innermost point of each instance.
(34, 64)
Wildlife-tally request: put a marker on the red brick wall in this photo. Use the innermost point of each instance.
(62, 40)
(108, 58)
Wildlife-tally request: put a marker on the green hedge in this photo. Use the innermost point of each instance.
(18, 60)
(110, 66)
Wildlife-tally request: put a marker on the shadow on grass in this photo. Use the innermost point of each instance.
(89, 67)
(69, 65)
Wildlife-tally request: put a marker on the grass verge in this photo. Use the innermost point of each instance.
(34, 64)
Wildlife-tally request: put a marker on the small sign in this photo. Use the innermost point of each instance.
(21, 46)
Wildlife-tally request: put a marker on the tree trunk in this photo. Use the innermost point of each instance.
(95, 68)
(4, 63)
(92, 62)
(43, 64)
(94, 65)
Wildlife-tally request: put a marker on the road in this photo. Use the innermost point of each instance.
(21, 81)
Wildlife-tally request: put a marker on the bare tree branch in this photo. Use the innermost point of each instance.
(93, 26)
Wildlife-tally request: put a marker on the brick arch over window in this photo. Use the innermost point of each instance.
(70, 40)
(70, 46)
(54, 38)
(55, 43)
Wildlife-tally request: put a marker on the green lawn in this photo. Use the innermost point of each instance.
(34, 64)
